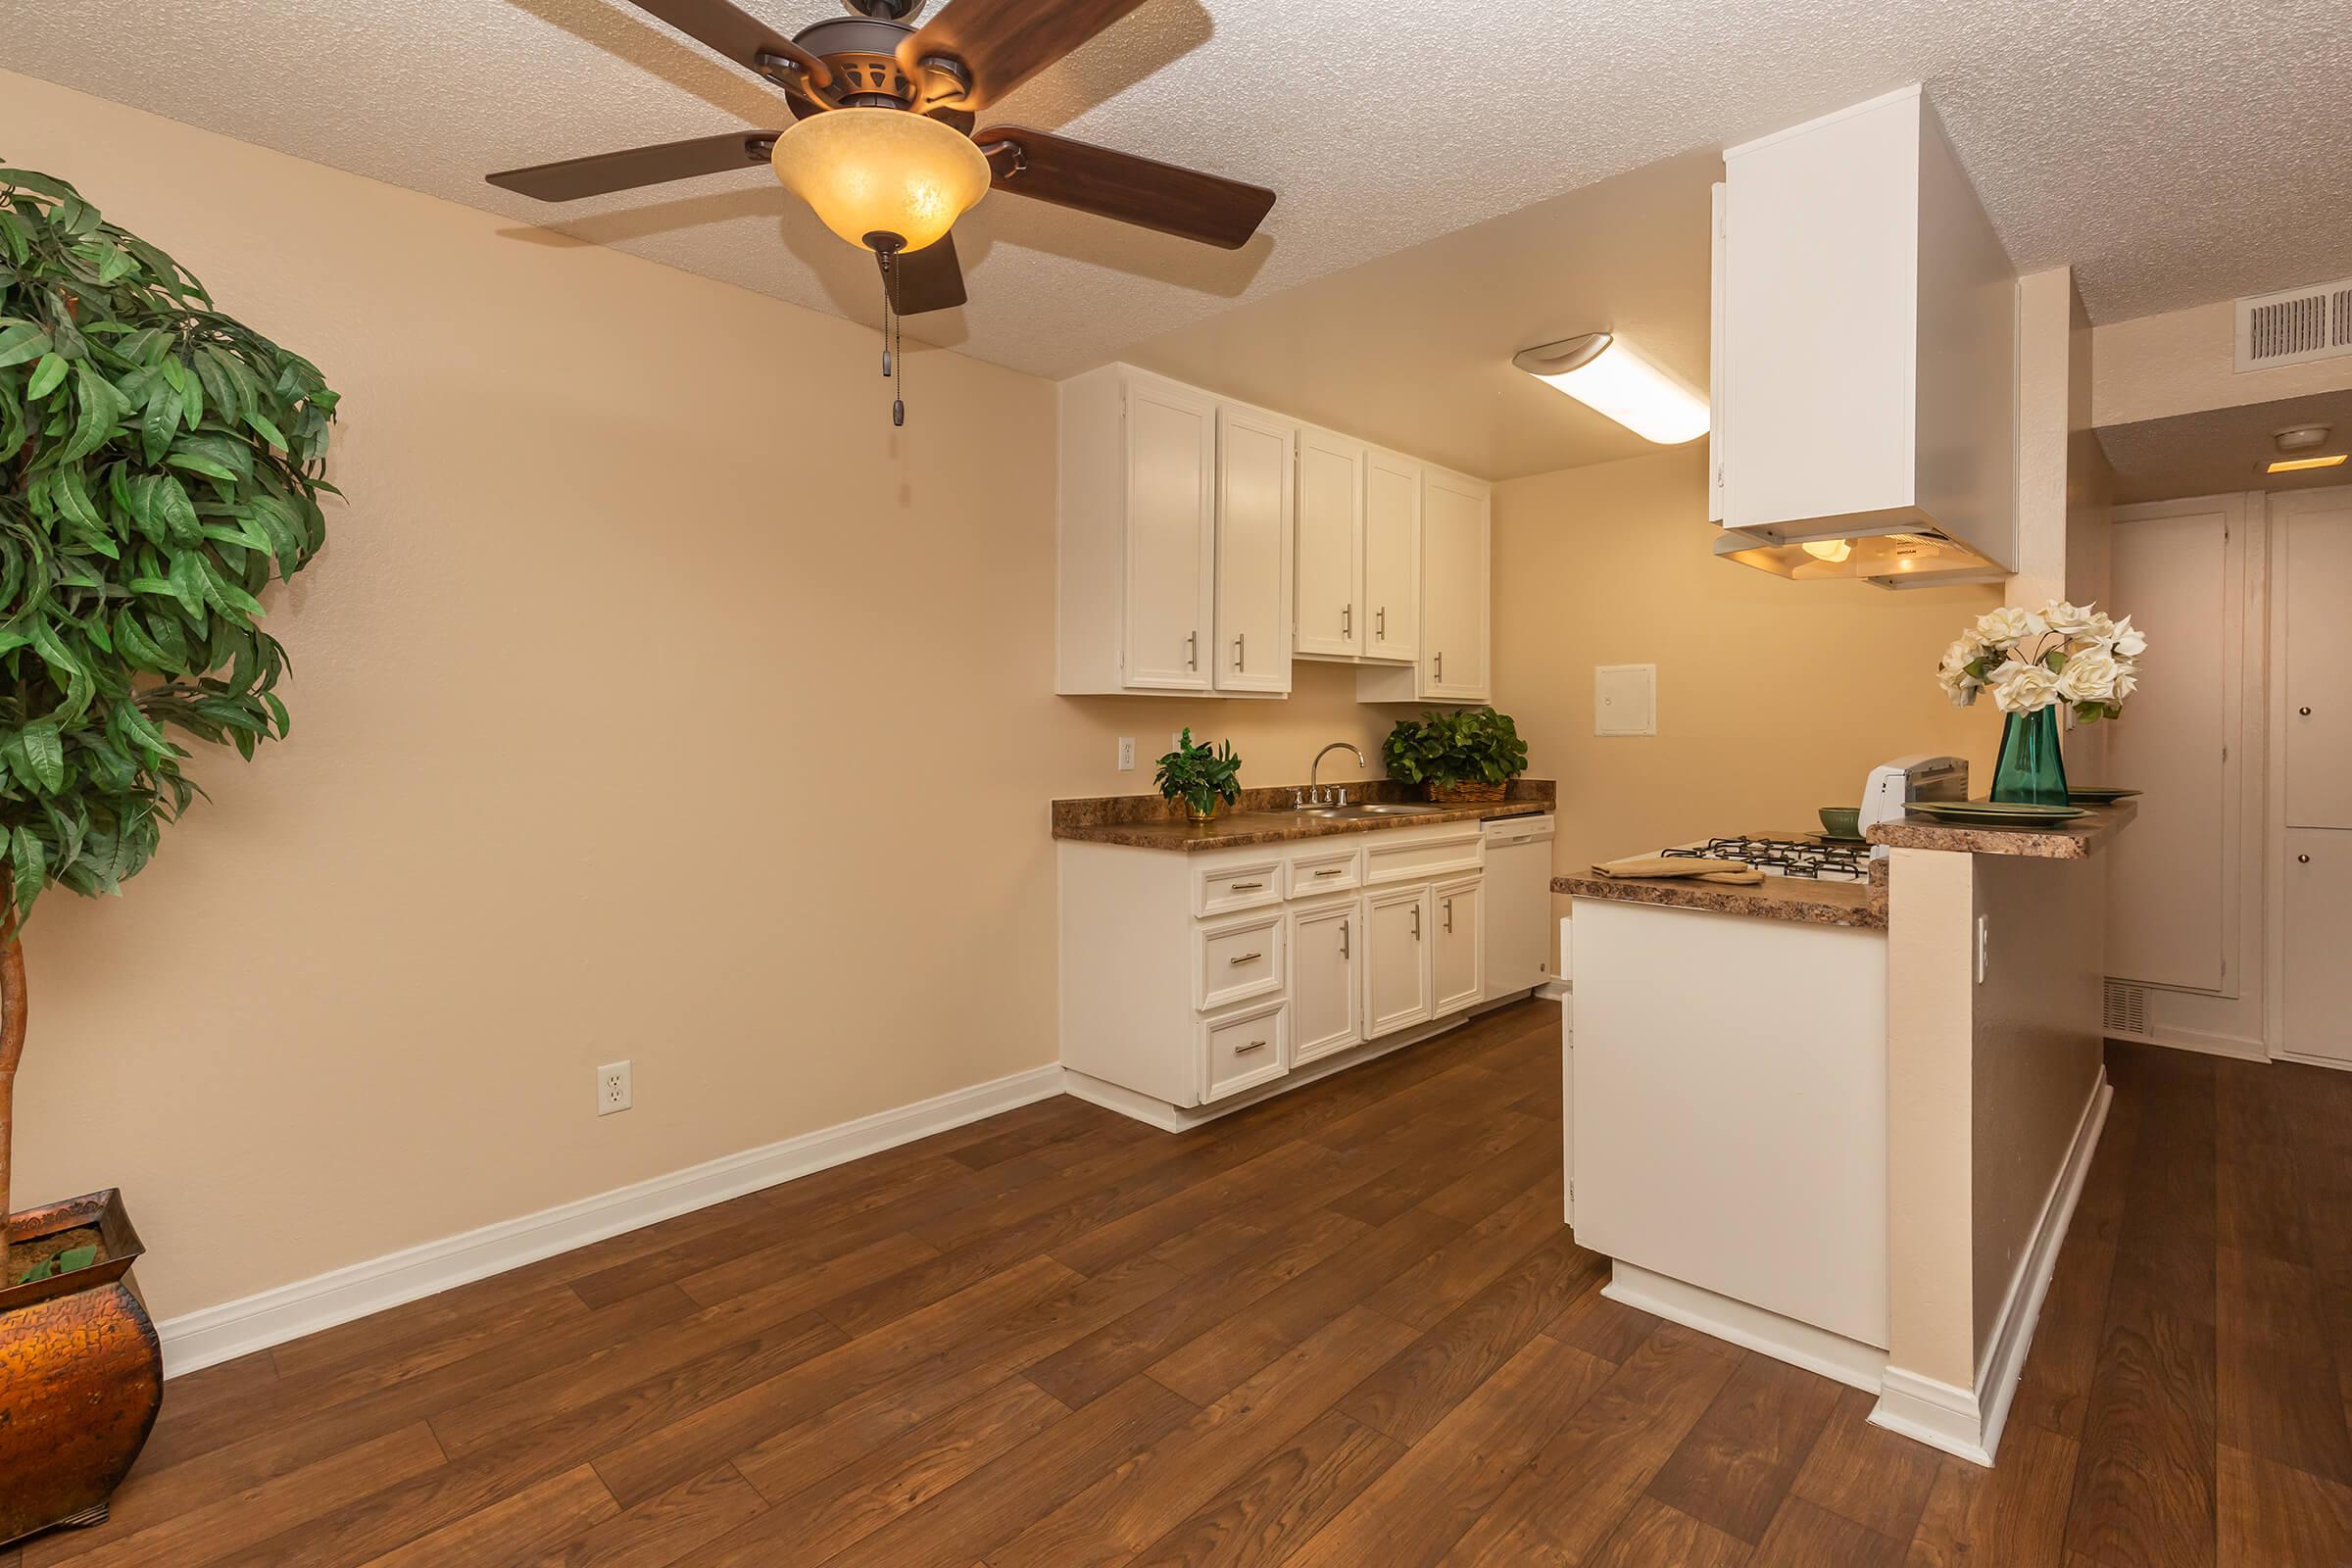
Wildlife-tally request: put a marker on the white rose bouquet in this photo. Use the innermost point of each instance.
(2030, 660)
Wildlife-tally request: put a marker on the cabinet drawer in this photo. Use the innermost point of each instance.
(1334, 871)
(1247, 1049)
(1419, 858)
(1239, 959)
(1218, 889)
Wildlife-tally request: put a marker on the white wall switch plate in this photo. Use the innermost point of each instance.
(1625, 699)
(1983, 947)
(612, 1088)
(1126, 753)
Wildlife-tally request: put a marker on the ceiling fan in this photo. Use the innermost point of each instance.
(882, 144)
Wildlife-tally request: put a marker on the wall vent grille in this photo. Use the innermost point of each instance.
(2126, 1009)
(2294, 325)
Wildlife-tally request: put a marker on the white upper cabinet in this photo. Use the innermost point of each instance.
(1452, 661)
(1256, 459)
(1866, 336)
(1392, 556)
(1331, 546)
(1138, 534)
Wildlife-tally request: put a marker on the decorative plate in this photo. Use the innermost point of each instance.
(1994, 814)
(2097, 795)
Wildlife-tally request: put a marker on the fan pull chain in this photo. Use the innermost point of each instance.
(893, 339)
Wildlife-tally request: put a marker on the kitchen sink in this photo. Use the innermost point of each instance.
(1364, 809)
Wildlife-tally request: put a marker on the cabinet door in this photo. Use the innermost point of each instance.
(1326, 980)
(2315, 582)
(2316, 903)
(1171, 461)
(1454, 597)
(1458, 977)
(1396, 959)
(1253, 551)
(1391, 556)
(1330, 527)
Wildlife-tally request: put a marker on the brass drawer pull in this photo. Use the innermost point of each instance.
(1255, 1044)
(1247, 958)
(1245, 887)
(1333, 870)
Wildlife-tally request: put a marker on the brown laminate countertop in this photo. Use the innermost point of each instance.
(1860, 904)
(1264, 816)
(2070, 841)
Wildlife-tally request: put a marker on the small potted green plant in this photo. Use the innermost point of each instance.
(1467, 756)
(1201, 775)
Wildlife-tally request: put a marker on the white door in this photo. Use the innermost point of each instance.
(1456, 977)
(1453, 595)
(1326, 979)
(1330, 526)
(1396, 959)
(2316, 1014)
(1391, 556)
(2315, 579)
(1253, 551)
(1172, 466)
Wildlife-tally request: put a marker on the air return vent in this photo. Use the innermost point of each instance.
(2126, 1009)
(2298, 324)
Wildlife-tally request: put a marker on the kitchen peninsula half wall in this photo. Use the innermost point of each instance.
(1846, 1125)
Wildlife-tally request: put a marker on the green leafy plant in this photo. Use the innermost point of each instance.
(1200, 775)
(65, 1262)
(1475, 745)
(159, 461)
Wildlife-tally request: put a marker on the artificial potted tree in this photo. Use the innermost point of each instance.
(1469, 756)
(158, 462)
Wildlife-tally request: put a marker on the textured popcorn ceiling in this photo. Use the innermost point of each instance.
(2175, 150)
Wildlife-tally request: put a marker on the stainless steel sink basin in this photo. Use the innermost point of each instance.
(1364, 809)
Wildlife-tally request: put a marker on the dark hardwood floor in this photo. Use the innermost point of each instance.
(1343, 1328)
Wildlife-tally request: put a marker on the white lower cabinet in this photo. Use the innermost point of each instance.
(1326, 978)
(1395, 958)
(1188, 979)
(1458, 975)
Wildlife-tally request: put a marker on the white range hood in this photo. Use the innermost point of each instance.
(1865, 355)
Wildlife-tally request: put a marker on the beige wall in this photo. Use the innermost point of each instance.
(1774, 697)
(655, 699)
(2181, 361)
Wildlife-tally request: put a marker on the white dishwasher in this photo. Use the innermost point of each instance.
(1518, 894)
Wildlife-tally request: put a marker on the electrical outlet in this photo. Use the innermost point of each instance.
(611, 1087)
(1126, 753)
(1983, 946)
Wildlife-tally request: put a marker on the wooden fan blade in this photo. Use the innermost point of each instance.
(605, 173)
(931, 278)
(999, 44)
(1143, 191)
(741, 37)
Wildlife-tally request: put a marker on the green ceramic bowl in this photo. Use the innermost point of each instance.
(1842, 821)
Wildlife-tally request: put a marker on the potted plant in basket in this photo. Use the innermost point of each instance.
(158, 460)
(1199, 775)
(1468, 755)
(2032, 661)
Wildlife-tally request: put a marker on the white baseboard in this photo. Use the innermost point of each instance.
(1934, 1413)
(1173, 1118)
(270, 1317)
(1754, 1328)
(2335, 1063)
(1970, 1423)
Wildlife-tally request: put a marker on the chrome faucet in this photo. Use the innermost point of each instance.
(1314, 791)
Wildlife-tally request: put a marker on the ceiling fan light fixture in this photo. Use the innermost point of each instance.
(1602, 371)
(882, 172)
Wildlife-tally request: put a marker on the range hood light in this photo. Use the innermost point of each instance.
(1603, 373)
(1831, 550)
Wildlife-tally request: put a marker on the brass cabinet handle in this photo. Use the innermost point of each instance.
(1241, 640)
(1255, 1044)
(1247, 958)
(1416, 922)
(1333, 870)
(1346, 620)
(1441, 671)
(1191, 650)
(1344, 953)
(1245, 887)
(1380, 624)
(1450, 916)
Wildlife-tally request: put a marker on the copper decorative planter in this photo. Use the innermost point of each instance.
(81, 1373)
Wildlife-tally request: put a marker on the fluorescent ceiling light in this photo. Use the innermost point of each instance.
(2297, 465)
(1603, 373)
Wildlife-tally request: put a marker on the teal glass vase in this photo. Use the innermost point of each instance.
(2032, 770)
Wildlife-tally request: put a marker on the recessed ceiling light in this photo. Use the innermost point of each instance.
(2298, 464)
(1602, 371)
